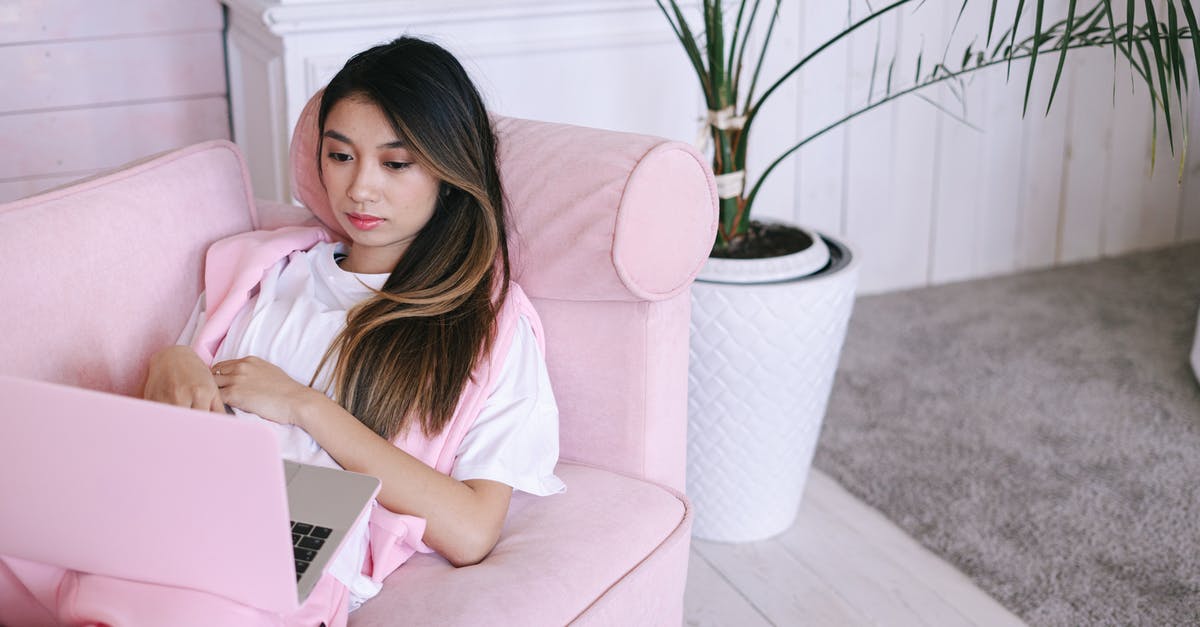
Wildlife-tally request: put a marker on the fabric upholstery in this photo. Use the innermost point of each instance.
(99, 275)
(554, 557)
(609, 229)
(637, 218)
(608, 232)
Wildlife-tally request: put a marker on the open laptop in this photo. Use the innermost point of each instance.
(118, 486)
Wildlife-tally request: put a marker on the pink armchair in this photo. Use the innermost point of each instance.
(608, 232)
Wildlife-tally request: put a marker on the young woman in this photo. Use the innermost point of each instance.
(373, 353)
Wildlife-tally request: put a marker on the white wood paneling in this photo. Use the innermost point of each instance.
(90, 86)
(58, 75)
(922, 197)
(20, 188)
(1042, 187)
(1087, 156)
(780, 115)
(822, 100)
(1019, 192)
(28, 21)
(961, 155)
(871, 217)
(1129, 167)
(81, 140)
(997, 230)
(913, 168)
(1189, 211)
(1162, 194)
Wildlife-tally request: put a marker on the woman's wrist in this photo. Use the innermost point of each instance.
(309, 407)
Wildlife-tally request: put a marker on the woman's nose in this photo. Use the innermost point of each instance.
(364, 188)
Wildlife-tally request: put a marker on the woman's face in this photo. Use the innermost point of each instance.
(379, 195)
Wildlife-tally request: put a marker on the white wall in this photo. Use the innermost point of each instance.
(923, 198)
(926, 199)
(86, 86)
(605, 63)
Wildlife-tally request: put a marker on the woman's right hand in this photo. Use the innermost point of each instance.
(177, 376)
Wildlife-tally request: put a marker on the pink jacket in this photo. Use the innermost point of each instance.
(234, 267)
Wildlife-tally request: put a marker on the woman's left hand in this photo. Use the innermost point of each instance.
(260, 387)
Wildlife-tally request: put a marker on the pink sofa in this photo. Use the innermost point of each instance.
(608, 232)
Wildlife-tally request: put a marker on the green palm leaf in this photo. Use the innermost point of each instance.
(1162, 68)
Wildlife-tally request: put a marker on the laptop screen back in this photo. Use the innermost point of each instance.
(117, 486)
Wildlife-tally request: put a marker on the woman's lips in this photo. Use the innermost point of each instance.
(364, 222)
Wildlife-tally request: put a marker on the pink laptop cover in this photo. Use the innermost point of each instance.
(119, 486)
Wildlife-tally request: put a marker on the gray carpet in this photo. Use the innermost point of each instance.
(1039, 431)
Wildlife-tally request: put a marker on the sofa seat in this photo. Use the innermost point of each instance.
(524, 582)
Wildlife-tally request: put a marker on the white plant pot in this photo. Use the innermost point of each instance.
(1196, 351)
(763, 356)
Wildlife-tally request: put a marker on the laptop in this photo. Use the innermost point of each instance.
(129, 488)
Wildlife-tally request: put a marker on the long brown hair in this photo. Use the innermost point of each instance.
(407, 352)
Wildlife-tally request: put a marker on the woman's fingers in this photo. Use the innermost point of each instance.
(257, 386)
(177, 376)
(224, 371)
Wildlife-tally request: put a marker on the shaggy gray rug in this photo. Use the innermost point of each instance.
(1040, 431)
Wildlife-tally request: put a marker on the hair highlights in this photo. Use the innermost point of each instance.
(407, 353)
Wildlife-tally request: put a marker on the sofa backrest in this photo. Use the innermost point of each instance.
(98, 275)
(607, 232)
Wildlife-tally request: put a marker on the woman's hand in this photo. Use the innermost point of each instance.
(260, 387)
(177, 376)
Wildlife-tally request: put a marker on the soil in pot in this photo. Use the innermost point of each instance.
(765, 239)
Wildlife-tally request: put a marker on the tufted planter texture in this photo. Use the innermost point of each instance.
(1195, 359)
(763, 356)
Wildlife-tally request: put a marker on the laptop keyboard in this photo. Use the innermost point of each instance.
(306, 541)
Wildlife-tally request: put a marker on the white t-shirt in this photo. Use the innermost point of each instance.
(300, 308)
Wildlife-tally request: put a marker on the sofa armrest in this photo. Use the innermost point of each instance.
(602, 215)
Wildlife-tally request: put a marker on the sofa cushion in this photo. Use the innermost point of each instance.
(99, 275)
(607, 523)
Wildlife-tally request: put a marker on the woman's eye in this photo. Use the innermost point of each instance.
(396, 165)
(339, 156)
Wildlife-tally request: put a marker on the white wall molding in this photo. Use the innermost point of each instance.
(612, 64)
(293, 17)
(283, 17)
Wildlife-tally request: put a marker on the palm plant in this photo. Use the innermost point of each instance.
(1156, 50)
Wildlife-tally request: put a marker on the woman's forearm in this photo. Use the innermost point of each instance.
(463, 519)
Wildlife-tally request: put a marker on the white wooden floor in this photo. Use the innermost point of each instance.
(841, 563)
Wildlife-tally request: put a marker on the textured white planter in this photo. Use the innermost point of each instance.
(767, 270)
(1196, 351)
(763, 356)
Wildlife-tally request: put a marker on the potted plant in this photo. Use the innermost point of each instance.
(771, 306)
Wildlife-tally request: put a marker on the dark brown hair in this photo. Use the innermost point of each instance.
(407, 352)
